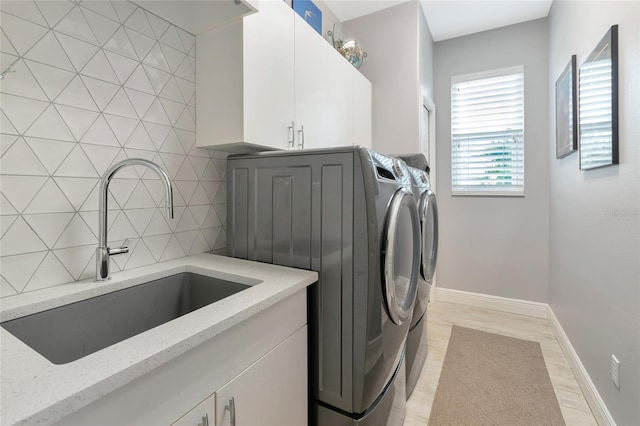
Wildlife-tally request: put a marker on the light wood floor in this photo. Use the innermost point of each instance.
(441, 316)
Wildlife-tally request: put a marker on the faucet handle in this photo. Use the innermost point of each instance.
(121, 250)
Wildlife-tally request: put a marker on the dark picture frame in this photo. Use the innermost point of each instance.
(598, 104)
(567, 110)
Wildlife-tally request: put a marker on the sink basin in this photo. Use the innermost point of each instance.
(70, 332)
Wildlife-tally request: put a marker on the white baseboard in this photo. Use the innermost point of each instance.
(597, 405)
(497, 303)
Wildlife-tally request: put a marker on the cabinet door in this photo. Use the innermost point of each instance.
(268, 66)
(310, 86)
(272, 392)
(202, 414)
(340, 99)
(362, 121)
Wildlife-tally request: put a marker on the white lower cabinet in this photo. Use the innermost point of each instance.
(270, 392)
(202, 414)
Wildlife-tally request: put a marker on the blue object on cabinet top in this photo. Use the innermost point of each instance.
(310, 13)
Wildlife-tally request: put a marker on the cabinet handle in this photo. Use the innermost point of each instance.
(301, 134)
(205, 420)
(292, 136)
(232, 411)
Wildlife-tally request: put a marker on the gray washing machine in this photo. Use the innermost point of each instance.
(350, 215)
(417, 348)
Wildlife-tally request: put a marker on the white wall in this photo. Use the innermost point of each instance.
(400, 60)
(328, 19)
(496, 245)
(594, 229)
(425, 54)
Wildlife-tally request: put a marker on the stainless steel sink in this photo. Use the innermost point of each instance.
(70, 332)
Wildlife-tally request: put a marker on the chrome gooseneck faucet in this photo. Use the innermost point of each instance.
(103, 252)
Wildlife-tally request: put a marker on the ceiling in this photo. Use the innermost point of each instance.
(452, 18)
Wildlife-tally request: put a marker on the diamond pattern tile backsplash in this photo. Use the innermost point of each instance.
(88, 84)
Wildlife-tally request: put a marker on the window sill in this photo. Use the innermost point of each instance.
(487, 194)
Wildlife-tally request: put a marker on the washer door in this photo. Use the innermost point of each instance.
(429, 222)
(401, 256)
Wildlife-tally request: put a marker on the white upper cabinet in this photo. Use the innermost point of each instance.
(268, 51)
(362, 120)
(270, 81)
(310, 78)
(244, 85)
(340, 112)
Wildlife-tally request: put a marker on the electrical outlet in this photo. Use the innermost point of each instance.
(615, 371)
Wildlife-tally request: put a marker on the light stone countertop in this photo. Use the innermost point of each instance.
(35, 391)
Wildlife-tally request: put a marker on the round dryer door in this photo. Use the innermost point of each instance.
(401, 256)
(429, 220)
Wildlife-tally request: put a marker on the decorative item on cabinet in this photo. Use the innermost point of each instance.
(310, 13)
(347, 45)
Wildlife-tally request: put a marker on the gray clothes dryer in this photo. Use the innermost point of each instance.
(416, 351)
(350, 215)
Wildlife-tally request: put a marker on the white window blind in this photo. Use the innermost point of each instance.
(487, 132)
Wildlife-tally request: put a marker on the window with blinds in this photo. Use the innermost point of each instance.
(487, 133)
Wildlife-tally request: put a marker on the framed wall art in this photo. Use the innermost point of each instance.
(567, 110)
(598, 104)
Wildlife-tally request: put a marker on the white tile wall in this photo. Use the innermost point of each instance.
(92, 83)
